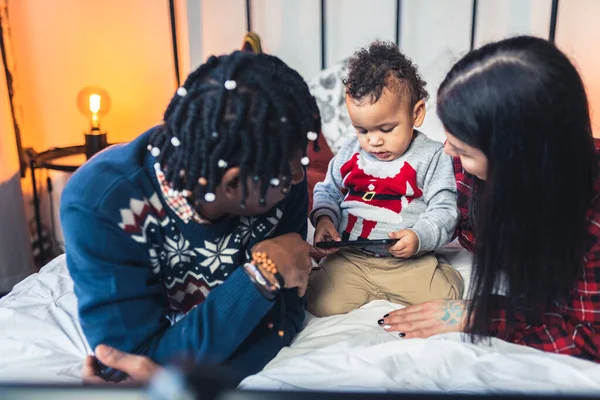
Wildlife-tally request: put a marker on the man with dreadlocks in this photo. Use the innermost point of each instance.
(190, 239)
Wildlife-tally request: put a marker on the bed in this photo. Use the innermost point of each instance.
(41, 339)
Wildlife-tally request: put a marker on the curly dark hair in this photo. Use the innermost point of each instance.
(370, 70)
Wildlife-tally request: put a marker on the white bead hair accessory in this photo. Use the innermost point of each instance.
(210, 197)
(182, 91)
(312, 136)
(222, 163)
(283, 119)
(275, 182)
(304, 161)
(155, 151)
(157, 166)
(185, 193)
(149, 147)
(175, 142)
(215, 135)
(230, 85)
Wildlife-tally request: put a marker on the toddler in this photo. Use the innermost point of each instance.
(390, 181)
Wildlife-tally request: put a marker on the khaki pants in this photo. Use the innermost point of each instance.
(349, 279)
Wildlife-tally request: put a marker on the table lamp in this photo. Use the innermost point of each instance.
(94, 102)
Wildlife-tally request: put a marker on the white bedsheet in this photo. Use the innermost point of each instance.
(41, 341)
(40, 336)
(352, 353)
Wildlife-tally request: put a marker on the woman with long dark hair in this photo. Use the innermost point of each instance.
(517, 122)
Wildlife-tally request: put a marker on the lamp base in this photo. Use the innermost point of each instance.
(94, 142)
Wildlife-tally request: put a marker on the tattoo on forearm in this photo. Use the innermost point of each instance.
(453, 313)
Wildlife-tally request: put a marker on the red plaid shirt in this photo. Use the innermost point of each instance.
(573, 328)
(177, 202)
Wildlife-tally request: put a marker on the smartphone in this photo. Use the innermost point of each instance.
(360, 243)
(109, 374)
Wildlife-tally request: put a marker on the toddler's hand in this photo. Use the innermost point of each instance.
(407, 244)
(324, 231)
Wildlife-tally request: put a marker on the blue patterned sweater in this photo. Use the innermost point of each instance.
(149, 283)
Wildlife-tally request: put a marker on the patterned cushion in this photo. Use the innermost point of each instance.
(328, 89)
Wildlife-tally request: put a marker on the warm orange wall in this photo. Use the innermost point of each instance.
(61, 46)
(578, 35)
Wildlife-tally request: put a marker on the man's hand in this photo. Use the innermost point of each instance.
(290, 254)
(140, 369)
(325, 231)
(407, 244)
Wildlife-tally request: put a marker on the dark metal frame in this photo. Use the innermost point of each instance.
(9, 84)
(398, 26)
(248, 15)
(398, 21)
(473, 24)
(45, 160)
(172, 19)
(553, 19)
(551, 33)
(29, 158)
(323, 37)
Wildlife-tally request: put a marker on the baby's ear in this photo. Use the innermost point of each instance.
(419, 111)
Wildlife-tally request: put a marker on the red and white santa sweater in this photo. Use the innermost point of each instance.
(368, 198)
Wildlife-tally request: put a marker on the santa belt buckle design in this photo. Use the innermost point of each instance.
(368, 196)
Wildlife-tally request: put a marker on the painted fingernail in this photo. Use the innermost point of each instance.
(380, 322)
(387, 326)
(386, 315)
(401, 334)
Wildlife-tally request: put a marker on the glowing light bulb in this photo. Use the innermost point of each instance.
(93, 102)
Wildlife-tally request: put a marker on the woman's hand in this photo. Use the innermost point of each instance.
(427, 319)
(407, 244)
(139, 369)
(291, 255)
(325, 231)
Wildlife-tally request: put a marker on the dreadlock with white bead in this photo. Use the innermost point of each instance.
(241, 110)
